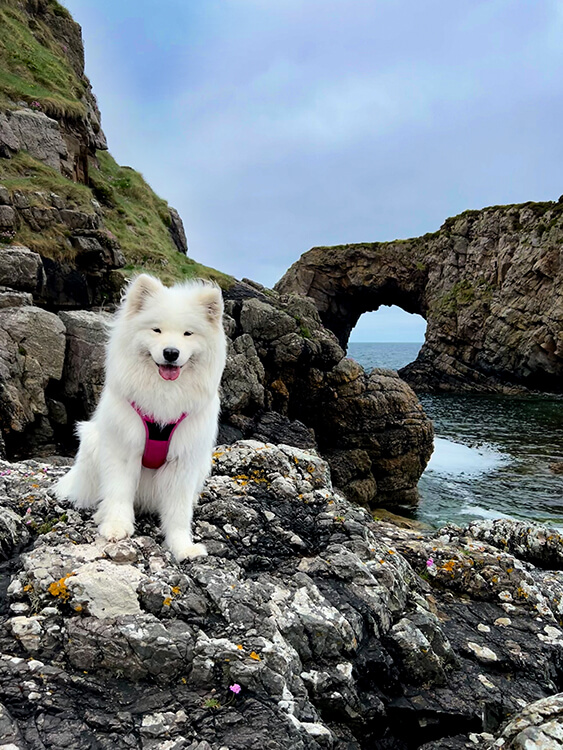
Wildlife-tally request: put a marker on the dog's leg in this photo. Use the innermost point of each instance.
(179, 491)
(81, 485)
(120, 478)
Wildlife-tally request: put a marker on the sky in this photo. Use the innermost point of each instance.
(274, 126)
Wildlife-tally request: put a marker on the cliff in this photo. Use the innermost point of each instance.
(92, 221)
(489, 284)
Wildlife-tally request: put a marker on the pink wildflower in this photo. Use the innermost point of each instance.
(236, 688)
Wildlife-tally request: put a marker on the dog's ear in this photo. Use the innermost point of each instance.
(141, 288)
(211, 299)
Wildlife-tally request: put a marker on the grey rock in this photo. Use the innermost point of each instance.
(272, 427)
(32, 348)
(538, 544)
(79, 219)
(5, 199)
(20, 199)
(86, 335)
(265, 322)
(243, 377)
(9, 141)
(7, 217)
(42, 217)
(39, 135)
(177, 231)
(21, 269)
(11, 298)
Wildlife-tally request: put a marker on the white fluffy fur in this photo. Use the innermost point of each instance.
(108, 470)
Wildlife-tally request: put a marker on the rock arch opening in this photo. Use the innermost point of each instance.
(388, 337)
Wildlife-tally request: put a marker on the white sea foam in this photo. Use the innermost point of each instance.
(476, 511)
(451, 458)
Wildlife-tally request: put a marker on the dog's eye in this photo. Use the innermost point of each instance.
(156, 330)
(187, 333)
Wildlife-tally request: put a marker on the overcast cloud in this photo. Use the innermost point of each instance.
(277, 125)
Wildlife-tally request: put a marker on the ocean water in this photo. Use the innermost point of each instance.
(493, 455)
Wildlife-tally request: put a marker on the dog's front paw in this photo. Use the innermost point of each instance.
(187, 550)
(114, 529)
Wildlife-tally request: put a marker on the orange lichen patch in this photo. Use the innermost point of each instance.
(167, 602)
(78, 608)
(28, 587)
(311, 468)
(255, 656)
(239, 646)
(391, 552)
(449, 566)
(218, 454)
(175, 590)
(59, 589)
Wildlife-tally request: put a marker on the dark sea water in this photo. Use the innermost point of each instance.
(492, 454)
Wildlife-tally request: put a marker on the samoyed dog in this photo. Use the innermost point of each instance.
(149, 443)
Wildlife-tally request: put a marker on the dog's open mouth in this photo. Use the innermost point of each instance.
(169, 372)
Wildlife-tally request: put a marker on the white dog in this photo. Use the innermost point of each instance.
(150, 440)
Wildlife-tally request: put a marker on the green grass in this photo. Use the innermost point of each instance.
(28, 175)
(140, 220)
(34, 67)
(137, 217)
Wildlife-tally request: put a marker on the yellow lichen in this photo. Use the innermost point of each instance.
(254, 655)
(59, 589)
(167, 602)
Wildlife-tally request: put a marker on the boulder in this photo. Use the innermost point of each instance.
(32, 349)
(37, 134)
(242, 386)
(21, 269)
(83, 378)
(177, 231)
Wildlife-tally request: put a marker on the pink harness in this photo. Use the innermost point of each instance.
(157, 439)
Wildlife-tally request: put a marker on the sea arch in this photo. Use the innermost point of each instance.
(489, 284)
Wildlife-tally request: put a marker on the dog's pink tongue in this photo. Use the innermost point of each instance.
(169, 372)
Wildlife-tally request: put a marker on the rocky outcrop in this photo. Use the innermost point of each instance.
(285, 381)
(489, 285)
(308, 626)
(35, 133)
(371, 429)
(32, 351)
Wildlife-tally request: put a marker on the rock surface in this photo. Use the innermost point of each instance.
(32, 351)
(489, 284)
(283, 362)
(308, 626)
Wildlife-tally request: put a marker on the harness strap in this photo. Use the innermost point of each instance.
(157, 439)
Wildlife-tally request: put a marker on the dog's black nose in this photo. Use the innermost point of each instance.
(171, 354)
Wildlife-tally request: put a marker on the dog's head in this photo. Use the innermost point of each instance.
(170, 327)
